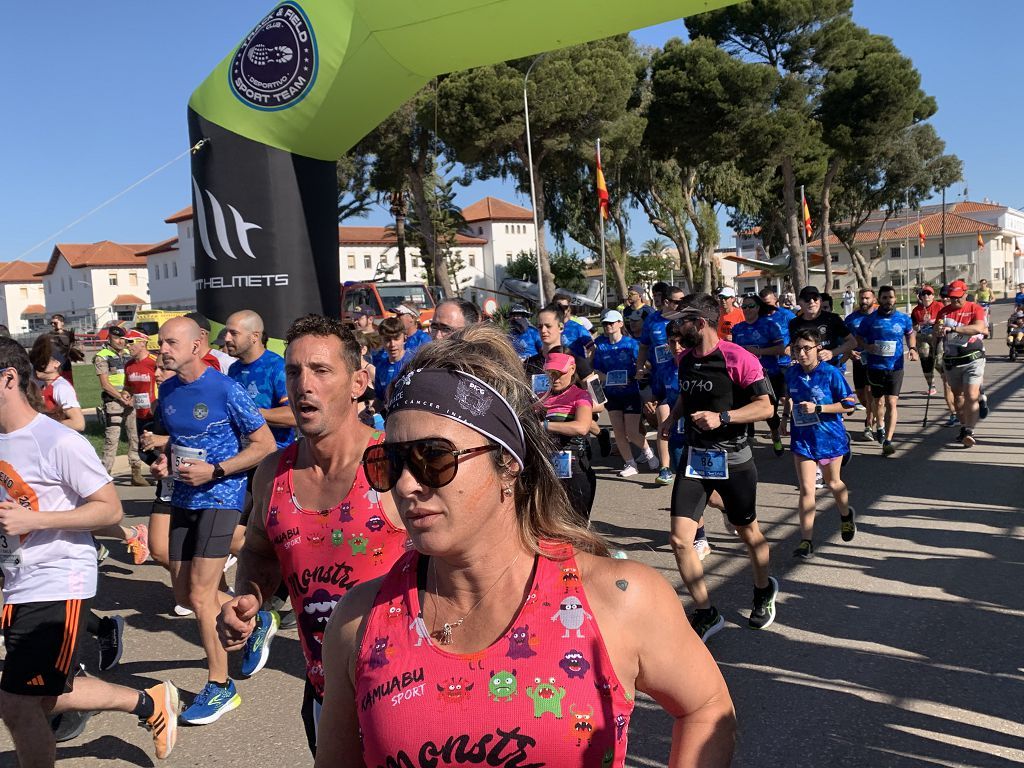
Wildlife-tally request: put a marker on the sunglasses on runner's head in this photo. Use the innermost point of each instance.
(433, 461)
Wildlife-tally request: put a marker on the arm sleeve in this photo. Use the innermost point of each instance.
(746, 369)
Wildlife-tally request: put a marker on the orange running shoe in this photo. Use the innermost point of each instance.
(138, 545)
(163, 724)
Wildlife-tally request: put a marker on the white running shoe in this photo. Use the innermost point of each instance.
(181, 610)
(629, 470)
(819, 479)
(702, 547)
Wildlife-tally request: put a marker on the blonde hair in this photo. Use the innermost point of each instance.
(543, 510)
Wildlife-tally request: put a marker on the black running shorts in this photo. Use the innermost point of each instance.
(201, 533)
(42, 642)
(885, 383)
(860, 375)
(738, 492)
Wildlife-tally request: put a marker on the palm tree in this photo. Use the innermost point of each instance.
(656, 246)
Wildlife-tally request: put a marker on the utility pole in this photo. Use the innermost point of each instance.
(943, 244)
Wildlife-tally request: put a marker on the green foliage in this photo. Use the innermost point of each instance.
(355, 193)
(566, 267)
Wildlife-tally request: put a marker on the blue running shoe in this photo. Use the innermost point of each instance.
(665, 476)
(257, 647)
(210, 703)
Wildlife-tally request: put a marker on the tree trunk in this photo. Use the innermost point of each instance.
(826, 231)
(674, 231)
(797, 257)
(619, 267)
(400, 210)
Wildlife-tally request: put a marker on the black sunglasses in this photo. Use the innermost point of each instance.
(749, 306)
(433, 461)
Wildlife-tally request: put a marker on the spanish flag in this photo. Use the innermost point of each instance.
(808, 228)
(602, 188)
(920, 234)
(981, 243)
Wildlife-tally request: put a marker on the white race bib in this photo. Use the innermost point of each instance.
(662, 354)
(181, 454)
(10, 550)
(886, 348)
(801, 419)
(562, 462)
(141, 400)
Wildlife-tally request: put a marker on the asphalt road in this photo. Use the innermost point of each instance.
(901, 648)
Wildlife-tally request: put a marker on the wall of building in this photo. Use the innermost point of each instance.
(172, 274)
(14, 297)
(83, 295)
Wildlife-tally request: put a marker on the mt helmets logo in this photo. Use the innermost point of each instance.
(276, 64)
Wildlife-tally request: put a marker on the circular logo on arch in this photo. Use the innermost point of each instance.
(276, 65)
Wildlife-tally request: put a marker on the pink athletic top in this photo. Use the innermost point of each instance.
(543, 695)
(324, 553)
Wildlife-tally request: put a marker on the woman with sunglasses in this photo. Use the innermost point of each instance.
(767, 339)
(512, 636)
(818, 436)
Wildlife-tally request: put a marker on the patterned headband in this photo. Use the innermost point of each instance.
(464, 398)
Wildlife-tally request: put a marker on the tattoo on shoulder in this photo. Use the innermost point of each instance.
(622, 584)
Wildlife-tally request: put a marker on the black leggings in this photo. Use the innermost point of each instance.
(778, 382)
(581, 487)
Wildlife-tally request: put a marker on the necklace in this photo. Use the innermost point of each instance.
(446, 628)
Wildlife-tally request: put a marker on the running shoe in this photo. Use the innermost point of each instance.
(181, 610)
(257, 647)
(229, 562)
(879, 436)
(805, 550)
(952, 421)
(288, 619)
(777, 445)
(650, 458)
(102, 553)
(665, 476)
(111, 641)
(819, 479)
(210, 703)
(961, 435)
(888, 448)
(629, 470)
(983, 406)
(848, 525)
(163, 723)
(932, 391)
(859, 407)
(706, 622)
(968, 438)
(702, 548)
(869, 435)
(138, 544)
(763, 613)
(604, 442)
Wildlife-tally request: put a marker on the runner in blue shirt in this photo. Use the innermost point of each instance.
(392, 333)
(656, 363)
(615, 361)
(881, 337)
(866, 299)
(574, 336)
(208, 418)
(525, 338)
(761, 335)
(820, 396)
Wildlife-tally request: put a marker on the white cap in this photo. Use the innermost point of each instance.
(726, 292)
(401, 309)
(611, 316)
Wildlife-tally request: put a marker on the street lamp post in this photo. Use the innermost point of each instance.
(533, 190)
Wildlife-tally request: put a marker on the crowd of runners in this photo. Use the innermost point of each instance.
(281, 467)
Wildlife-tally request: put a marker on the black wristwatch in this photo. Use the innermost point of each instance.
(817, 408)
(218, 472)
(724, 417)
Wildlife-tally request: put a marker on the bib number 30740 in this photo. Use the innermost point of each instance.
(707, 464)
(10, 550)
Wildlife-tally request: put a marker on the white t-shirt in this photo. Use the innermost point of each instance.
(64, 394)
(224, 358)
(47, 467)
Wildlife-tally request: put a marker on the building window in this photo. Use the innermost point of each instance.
(479, 230)
(874, 281)
(367, 261)
(835, 257)
(894, 253)
(506, 229)
(351, 261)
(174, 267)
(133, 279)
(917, 250)
(472, 259)
(997, 274)
(188, 230)
(508, 256)
(835, 285)
(383, 260)
(24, 291)
(112, 278)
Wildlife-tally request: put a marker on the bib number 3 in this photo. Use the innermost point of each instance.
(10, 550)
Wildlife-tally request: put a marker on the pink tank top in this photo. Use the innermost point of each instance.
(324, 553)
(543, 695)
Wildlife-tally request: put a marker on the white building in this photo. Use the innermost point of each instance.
(496, 232)
(95, 284)
(22, 302)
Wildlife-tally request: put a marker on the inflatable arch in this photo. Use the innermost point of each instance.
(310, 80)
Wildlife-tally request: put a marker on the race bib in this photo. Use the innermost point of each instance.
(10, 550)
(801, 419)
(886, 348)
(617, 378)
(662, 354)
(562, 462)
(141, 400)
(181, 454)
(165, 489)
(707, 464)
(541, 383)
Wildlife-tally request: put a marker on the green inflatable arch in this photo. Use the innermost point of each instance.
(310, 80)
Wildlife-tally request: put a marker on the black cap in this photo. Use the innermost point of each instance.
(809, 293)
(117, 330)
(518, 309)
(199, 320)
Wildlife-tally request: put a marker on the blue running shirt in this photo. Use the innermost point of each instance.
(208, 418)
(886, 331)
(526, 344)
(617, 356)
(655, 337)
(576, 338)
(855, 319)
(763, 332)
(825, 385)
(264, 380)
(386, 372)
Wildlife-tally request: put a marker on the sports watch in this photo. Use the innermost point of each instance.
(218, 472)
(725, 417)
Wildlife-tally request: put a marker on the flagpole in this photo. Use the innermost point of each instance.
(906, 284)
(803, 237)
(920, 253)
(600, 219)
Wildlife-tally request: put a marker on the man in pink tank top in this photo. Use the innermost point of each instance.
(316, 523)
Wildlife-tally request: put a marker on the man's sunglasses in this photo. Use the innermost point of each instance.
(749, 306)
(433, 461)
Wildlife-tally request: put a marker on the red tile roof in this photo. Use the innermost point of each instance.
(165, 246)
(383, 236)
(969, 206)
(493, 209)
(21, 271)
(183, 215)
(127, 298)
(101, 254)
(34, 309)
(898, 229)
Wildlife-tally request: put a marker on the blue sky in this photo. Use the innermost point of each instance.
(95, 98)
